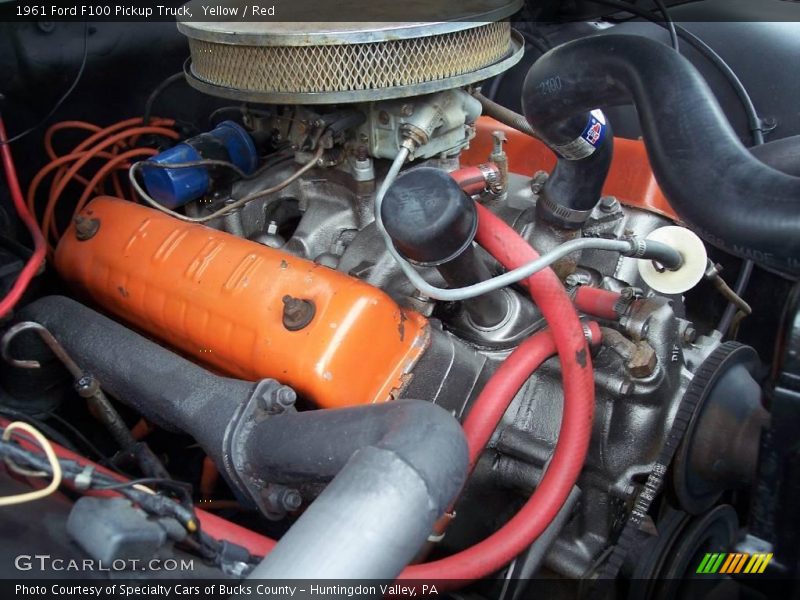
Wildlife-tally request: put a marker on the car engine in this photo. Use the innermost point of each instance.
(372, 323)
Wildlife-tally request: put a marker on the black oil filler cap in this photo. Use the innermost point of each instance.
(429, 217)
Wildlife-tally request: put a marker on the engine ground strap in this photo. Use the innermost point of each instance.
(692, 398)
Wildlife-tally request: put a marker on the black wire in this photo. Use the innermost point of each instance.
(204, 544)
(212, 118)
(151, 99)
(102, 457)
(182, 487)
(754, 122)
(64, 96)
(711, 55)
(673, 34)
(46, 429)
(739, 288)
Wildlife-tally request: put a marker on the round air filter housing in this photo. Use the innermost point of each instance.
(337, 61)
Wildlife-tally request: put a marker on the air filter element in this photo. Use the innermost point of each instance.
(299, 62)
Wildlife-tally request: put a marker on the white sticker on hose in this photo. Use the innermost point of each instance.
(591, 138)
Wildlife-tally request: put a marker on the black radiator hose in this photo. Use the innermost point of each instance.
(391, 469)
(732, 199)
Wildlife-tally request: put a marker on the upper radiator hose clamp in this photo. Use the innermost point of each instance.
(697, 158)
(584, 146)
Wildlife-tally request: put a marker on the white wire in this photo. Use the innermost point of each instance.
(51, 458)
(495, 283)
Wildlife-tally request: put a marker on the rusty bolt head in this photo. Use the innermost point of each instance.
(407, 110)
(689, 334)
(86, 228)
(642, 362)
(297, 313)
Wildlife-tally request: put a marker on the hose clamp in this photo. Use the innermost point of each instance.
(638, 247)
(491, 175)
(569, 218)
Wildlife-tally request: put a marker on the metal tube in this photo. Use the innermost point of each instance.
(399, 466)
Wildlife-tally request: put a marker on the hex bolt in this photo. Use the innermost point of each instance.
(281, 499)
(689, 334)
(278, 399)
(608, 204)
(643, 361)
(407, 110)
(297, 312)
(289, 499)
(86, 228)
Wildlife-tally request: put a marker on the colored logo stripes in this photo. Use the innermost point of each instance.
(733, 562)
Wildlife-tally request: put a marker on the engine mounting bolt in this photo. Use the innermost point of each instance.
(689, 334)
(297, 313)
(608, 204)
(86, 228)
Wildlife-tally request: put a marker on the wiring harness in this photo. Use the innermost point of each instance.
(155, 496)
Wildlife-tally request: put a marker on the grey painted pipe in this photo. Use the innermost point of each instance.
(399, 466)
(395, 467)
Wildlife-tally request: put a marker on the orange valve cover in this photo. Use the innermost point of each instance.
(221, 300)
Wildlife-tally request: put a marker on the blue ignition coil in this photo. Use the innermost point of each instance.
(175, 187)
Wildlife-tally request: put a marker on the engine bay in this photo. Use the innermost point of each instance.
(364, 318)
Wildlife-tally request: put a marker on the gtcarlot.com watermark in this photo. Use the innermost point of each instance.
(49, 563)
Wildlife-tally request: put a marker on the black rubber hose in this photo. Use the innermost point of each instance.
(731, 198)
(393, 469)
(397, 465)
(566, 199)
(782, 154)
(164, 387)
